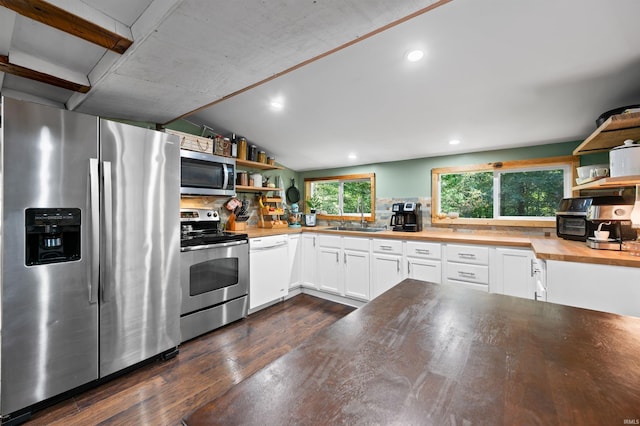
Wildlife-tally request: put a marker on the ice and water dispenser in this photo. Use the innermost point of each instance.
(52, 235)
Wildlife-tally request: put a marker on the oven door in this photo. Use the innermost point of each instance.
(213, 275)
(571, 227)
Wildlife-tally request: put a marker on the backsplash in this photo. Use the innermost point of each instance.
(383, 215)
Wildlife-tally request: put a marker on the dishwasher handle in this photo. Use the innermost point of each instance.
(268, 247)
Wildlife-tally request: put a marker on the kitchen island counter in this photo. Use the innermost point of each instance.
(423, 353)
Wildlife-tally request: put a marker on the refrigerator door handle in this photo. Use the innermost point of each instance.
(95, 230)
(108, 232)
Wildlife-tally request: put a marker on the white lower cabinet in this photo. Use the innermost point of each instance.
(360, 269)
(614, 289)
(295, 260)
(308, 264)
(386, 265)
(357, 267)
(424, 261)
(343, 266)
(329, 264)
(467, 266)
(513, 273)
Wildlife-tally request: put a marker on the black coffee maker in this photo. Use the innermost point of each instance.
(406, 217)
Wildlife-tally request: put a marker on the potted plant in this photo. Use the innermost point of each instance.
(312, 203)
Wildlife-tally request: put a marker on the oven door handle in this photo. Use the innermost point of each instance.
(210, 246)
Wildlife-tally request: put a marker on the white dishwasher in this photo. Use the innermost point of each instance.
(268, 279)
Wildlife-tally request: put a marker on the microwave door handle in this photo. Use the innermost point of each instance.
(226, 176)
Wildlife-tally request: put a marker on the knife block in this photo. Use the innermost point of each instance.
(232, 225)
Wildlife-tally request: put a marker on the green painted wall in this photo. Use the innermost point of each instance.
(412, 178)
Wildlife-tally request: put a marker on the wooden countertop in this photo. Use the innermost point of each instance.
(424, 353)
(548, 248)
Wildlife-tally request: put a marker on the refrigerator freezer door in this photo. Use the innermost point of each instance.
(140, 277)
(49, 322)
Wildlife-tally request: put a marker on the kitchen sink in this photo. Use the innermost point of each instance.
(355, 229)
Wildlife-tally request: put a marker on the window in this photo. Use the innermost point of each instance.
(342, 197)
(514, 193)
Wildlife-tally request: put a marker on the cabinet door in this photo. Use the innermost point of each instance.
(328, 273)
(386, 271)
(424, 269)
(356, 274)
(308, 265)
(513, 273)
(295, 260)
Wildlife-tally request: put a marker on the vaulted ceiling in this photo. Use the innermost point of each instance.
(495, 74)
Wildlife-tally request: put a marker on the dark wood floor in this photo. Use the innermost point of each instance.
(162, 393)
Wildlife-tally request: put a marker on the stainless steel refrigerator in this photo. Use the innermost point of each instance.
(90, 244)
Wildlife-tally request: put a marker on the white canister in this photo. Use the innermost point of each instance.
(257, 179)
(625, 159)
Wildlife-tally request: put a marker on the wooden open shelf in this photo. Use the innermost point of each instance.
(611, 133)
(610, 182)
(257, 165)
(242, 188)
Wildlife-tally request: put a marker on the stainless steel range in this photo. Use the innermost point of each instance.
(214, 273)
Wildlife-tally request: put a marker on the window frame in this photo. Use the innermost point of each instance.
(571, 161)
(368, 217)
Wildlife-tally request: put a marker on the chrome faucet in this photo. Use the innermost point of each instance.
(363, 224)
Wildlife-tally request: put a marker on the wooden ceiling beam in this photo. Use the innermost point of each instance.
(68, 22)
(20, 71)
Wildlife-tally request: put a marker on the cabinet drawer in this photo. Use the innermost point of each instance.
(468, 254)
(329, 241)
(480, 287)
(387, 246)
(351, 243)
(424, 250)
(471, 273)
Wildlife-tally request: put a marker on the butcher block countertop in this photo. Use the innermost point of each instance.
(548, 248)
(424, 353)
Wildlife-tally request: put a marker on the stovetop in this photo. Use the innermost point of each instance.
(199, 227)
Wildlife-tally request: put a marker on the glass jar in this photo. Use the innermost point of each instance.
(253, 153)
(271, 161)
(262, 157)
(242, 149)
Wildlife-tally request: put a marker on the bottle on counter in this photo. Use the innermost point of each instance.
(234, 145)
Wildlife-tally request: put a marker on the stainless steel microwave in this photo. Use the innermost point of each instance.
(206, 174)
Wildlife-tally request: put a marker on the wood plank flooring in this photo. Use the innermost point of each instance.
(162, 393)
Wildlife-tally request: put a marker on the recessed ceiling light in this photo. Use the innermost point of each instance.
(454, 142)
(277, 104)
(415, 55)
(352, 156)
